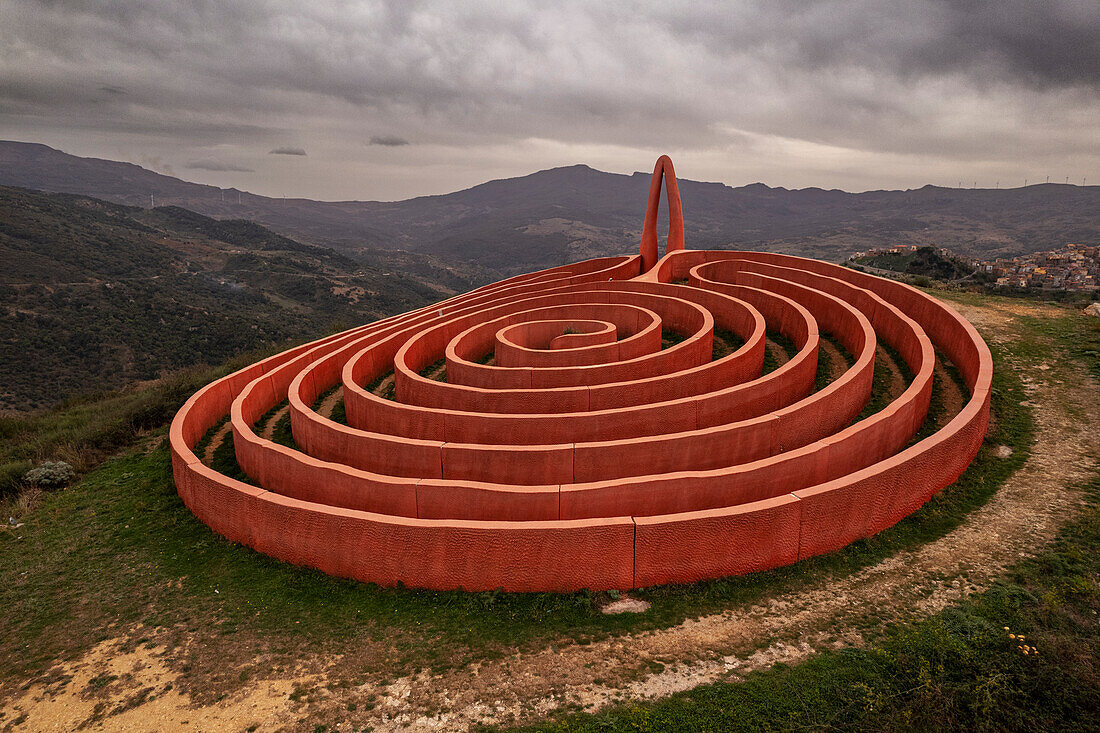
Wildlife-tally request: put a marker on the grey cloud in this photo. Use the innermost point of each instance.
(948, 82)
(1038, 43)
(389, 141)
(1054, 42)
(213, 164)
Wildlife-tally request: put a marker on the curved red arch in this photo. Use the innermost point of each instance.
(662, 170)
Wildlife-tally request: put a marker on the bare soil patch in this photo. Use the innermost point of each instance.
(780, 353)
(122, 687)
(219, 438)
(837, 363)
(268, 430)
(329, 403)
(897, 382)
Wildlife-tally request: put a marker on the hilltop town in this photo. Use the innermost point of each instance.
(1074, 267)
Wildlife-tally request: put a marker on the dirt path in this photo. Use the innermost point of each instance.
(215, 442)
(950, 392)
(837, 363)
(385, 388)
(439, 374)
(777, 351)
(788, 627)
(329, 403)
(897, 382)
(268, 431)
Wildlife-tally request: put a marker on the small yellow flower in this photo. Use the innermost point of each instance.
(1011, 636)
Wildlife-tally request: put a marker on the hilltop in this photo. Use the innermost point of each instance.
(927, 262)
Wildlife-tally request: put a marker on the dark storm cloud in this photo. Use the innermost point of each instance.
(1055, 42)
(389, 141)
(287, 151)
(808, 84)
(1035, 43)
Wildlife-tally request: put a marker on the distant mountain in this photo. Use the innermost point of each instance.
(568, 214)
(95, 295)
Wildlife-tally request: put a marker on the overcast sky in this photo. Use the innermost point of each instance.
(386, 100)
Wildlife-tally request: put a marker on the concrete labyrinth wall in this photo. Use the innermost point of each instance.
(587, 433)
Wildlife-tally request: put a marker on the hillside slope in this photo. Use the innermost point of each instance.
(572, 213)
(925, 261)
(94, 295)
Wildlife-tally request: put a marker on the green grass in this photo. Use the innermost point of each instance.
(1076, 333)
(204, 442)
(937, 408)
(1079, 332)
(958, 670)
(338, 412)
(85, 430)
(224, 461)
(282, 434)
(268, 416)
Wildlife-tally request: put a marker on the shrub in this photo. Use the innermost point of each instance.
(51, 475)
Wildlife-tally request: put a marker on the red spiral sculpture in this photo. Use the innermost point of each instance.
(588, 434)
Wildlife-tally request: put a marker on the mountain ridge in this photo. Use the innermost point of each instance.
(569, 213)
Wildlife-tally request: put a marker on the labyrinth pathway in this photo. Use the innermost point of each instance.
(616, 423)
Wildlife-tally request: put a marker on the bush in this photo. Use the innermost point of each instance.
(51, 475)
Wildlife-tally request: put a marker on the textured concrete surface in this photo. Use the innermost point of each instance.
(585, 454)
